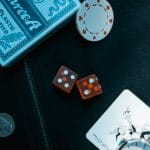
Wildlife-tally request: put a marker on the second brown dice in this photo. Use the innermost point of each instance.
(89, 87)
(65, 79)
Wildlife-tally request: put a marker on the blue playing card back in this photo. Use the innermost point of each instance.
(25, 22)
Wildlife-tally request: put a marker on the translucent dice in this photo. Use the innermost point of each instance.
(89, 87)
(65, 79)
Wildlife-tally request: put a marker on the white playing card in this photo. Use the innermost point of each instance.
(117, 121)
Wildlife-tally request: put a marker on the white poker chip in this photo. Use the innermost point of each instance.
(94, 19)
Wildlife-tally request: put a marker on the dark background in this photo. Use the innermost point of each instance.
(121, 61)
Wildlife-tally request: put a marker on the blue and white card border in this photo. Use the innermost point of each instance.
(67, 9)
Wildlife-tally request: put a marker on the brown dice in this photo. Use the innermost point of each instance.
(89, 87)
(65, 79)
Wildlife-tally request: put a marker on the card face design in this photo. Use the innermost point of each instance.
(126, 115)
(24, 22)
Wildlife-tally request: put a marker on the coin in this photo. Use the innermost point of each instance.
(7, 125)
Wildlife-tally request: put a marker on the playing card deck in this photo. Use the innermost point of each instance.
(23, 23)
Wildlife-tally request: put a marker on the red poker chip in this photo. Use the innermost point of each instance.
(94, 19)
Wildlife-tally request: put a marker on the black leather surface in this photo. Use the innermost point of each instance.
(121, 61)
